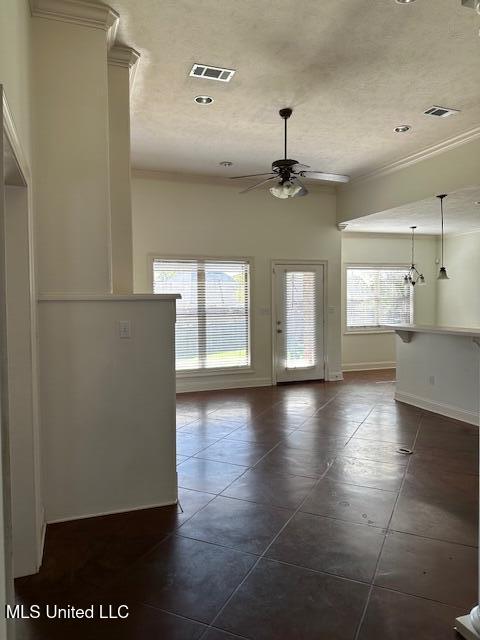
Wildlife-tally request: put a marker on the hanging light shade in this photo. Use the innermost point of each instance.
(442, 274)
(413, 276)
(287, 189)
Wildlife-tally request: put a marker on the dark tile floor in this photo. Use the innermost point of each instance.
(300, 520)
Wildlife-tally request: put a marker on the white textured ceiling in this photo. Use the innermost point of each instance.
(461, 215)
(351, 69)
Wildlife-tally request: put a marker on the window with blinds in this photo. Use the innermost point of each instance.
(377, 296)
(213, 316)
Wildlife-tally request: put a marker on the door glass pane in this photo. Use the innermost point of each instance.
(300, 321)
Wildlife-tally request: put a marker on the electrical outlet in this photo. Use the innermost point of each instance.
(431, 380)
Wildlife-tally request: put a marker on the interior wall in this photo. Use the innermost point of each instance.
(15, 56)
(173, 217)
(444, 171)
(108, 405)
(459, 297)
(440, 373)
(377, 350)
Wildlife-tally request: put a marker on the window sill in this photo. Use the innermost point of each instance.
(356, 332)
(194, 373)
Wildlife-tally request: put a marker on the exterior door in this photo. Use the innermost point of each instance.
(298, 322)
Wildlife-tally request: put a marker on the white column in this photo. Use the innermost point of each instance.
(71, 139)
(121, 68)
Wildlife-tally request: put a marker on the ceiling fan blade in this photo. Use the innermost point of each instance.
(300, 167)
(320, 175)
(259, 184)
(252, 175)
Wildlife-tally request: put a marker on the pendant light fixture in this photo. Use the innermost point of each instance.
(442, 274)
(413, 276)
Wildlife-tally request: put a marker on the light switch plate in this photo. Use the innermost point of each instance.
(124, 329)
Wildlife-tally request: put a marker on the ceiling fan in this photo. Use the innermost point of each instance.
(287, 172)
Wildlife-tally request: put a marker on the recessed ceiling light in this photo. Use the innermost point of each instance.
(402, 128)
(203, 99)
(226, 163)
(404, 1)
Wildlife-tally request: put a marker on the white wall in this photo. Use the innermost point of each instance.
(15, 53)
(108, 406)
(459, 297)
(181, 218)
(440, 373)
(377, 350)
(448, 169)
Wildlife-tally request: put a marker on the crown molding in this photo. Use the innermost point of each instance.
(121, 56)
(419, 156)
(400, 235)
(125, 57)
(82, 12)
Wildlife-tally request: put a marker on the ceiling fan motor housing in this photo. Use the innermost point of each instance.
(285, 113)
(284, 164)
(284, 168)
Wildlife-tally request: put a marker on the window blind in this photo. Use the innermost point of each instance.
(377, 296)
(300, 326)
(213, 316)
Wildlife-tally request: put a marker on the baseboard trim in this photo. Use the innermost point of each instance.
(368, 366)
(334, 376)
(438, 407)
(42, 544)
(165, 503)
(186, 385)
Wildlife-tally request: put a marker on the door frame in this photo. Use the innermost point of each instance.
(37, 533)
(317, 263)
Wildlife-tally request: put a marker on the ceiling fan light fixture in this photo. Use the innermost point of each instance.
(288, 172)
(285, 189)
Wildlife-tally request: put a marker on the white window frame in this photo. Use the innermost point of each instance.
(193, 373)
(371, 265)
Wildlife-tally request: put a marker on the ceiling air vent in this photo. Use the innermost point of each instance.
(212, 73)
(440, 112)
